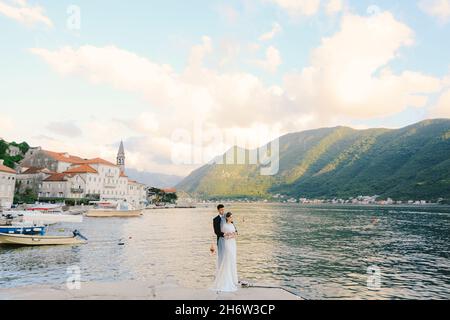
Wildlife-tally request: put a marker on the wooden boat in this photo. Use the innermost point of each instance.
(24, 240)
(104, 213)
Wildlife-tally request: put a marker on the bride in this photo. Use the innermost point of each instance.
(227, 277)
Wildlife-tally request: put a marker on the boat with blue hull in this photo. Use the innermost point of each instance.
(13, 223)
(23, 229)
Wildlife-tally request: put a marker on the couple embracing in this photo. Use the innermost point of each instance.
(226, 232)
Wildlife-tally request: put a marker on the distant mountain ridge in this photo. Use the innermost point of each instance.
(407, 163)
(157, 180)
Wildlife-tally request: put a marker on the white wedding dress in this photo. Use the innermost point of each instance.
(226, 276)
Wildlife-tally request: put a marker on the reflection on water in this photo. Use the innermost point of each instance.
(318, 252)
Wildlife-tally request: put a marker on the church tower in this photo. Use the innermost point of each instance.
(121, 157)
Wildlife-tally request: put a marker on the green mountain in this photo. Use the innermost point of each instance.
(408, 163)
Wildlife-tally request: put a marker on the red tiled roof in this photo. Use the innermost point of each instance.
(56, 177)
(84, 168)
(170, 190)
(64, 157)
(6, 169)
(134, 181)
(99, 161)
(34, 170)
(123, 175)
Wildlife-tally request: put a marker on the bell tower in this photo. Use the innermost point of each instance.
(121, 157)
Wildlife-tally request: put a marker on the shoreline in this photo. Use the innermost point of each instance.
(138, 290)
(404, 205)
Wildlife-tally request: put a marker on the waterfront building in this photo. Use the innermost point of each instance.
(95, 179)
(65, 176)
(54, 161)
(31, 151)
(62, 186)
(31, 179)
(7, 186)
(137, 194)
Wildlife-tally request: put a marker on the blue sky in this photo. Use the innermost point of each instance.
(140, 71)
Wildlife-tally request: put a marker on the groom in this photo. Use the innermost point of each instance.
(217, 223)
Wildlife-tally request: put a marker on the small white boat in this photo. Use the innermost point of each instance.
(77, 212)
(25, 240)
(45, 207)
(50, 218)
(96, 213)
(113, 210)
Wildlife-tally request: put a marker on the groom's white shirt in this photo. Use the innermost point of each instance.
(222, 220)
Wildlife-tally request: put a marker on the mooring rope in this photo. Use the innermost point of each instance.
(249, 285)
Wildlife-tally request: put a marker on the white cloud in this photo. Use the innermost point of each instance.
(6, 126)
(21, 11)
(144, 123)
(153, 154)
(229, 52)
(334, 6)
(349, 73)
(436, 8)
(65, 128)
(272, 61)
(228, 13)
(122, 69)
(442, 108)
(197, 92)
(276, 28)
(199, 52)
(176, 100)
(299, 7)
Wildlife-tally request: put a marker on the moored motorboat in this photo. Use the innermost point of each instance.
(27, 240)
(23, 229)
(11, 223)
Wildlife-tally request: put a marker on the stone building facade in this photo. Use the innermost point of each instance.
(31, 179)
(7, 186)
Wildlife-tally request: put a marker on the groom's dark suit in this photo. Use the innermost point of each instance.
(217, 230)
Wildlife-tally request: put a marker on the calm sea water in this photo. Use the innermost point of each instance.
(320, 252)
